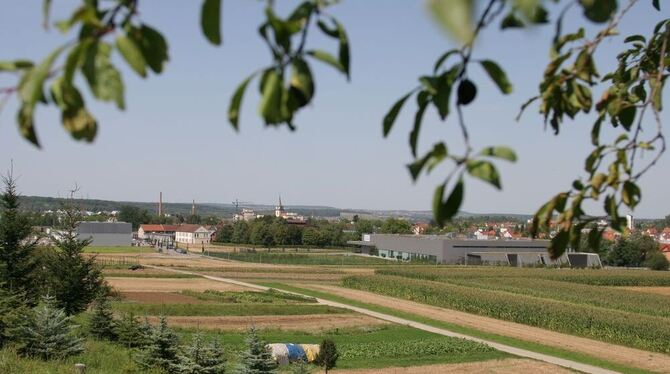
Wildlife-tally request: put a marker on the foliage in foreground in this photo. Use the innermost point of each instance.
(202, 358)
(328, 355)
(161, 349)
(48, 333)
(631, 329)
(102, 325)
(256, 359)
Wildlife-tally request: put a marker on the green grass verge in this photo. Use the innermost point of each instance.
(224, 309)
(518, 343)
(248, 297)
(92, 249)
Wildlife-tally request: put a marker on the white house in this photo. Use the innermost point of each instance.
(192, 234)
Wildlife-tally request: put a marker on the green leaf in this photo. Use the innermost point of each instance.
(558, 244)
(79, 123)
(210, 20)
(31, 85)
(327, 58)
(431, 160)
(635, 38)
(15, 65)
(236, 102)
(85, 14)
(46, 10)
(511, 21)
(332, 32)
(271, 100)
(154, 47)
(595, 131)
(421, 101)
(301, 84)
(467, 91)
(132, 54)
(627, 116)
(599, 11)
(444, 58)
(445, 210)
(630, 194)
(26, 124)
(656, 4)
(343, 51)
(455, 17)
(497, 75)
(443, 85)
(390, 117)
(504, 153)
(103, 78)
(485, 171)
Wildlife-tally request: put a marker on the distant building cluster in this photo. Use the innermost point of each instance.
(280, 212)
(184, 233)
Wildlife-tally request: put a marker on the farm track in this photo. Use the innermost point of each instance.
(501, 347)
(623, 355)
(310, 322)
(506, 366)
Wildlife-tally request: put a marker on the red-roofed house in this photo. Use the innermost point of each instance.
(665, 249)
(146, 231)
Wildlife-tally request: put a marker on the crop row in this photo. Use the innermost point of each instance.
(301, 259)
(249, 297)
(225, 309)
(596, 277)
(631, 329)
(605, 297)
(411, 348)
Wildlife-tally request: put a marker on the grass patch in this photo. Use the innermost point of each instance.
(122, 249)
(300, 259)
(535, 347)
(248, 297)
(136, 274)
(225, 309)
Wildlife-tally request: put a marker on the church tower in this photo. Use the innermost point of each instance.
(279, 209)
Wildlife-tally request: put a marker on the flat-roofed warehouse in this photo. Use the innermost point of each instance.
(106, 234)
(445, 250)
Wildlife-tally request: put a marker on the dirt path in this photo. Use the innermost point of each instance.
(386, 317)
(128, 284)
(506, 366)
(610, 352)
(665, 291)
(312, 322)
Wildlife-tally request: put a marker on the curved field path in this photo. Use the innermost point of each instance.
(615, 353)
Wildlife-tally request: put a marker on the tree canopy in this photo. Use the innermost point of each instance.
(627, 99)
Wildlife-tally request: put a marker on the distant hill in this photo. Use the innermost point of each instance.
(41, 204)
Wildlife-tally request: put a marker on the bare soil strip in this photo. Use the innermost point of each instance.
(128, 284)
(280, 276)
(610, 352)
(312, 322)
(160, 298)
(506, 366)
(386, 317)
(665, 291)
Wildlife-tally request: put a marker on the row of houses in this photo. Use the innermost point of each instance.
(184, 233)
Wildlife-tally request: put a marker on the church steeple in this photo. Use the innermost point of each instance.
(279, 209)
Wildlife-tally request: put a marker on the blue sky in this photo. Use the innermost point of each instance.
(174, 136)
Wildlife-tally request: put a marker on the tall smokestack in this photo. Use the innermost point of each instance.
(193, 208)
(160, 205)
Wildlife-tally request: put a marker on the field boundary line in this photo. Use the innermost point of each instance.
(574, 365)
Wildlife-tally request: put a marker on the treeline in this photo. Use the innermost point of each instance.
(636, 250)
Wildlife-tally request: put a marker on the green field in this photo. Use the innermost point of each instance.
(571, 306)
(91, 249)
(224, 309)
(302, 259)
(249, 297)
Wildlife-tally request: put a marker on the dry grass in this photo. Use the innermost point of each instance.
(129, 284)
(665, 291)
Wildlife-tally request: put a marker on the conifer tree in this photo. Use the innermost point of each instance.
(327, 357)
(161, 352)
(73, 279)
(12, 315)
(301, 368)
(17, 260)
(130, 332)
(257, 359)
(102, 324)
(48, 333)
(202, 358)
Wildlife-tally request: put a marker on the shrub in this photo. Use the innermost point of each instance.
(328, 355)
(161, 350)
(201, 358)
(48, 333)
(131, 333)
(257, 357)
(658, 261)
(101, 324)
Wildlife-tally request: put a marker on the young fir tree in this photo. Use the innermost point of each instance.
(202, 358)
(12, 315)
(161, 352)
(257, 359)
(301, 368)
(73, 279)
(48, 333)
(327, 357)
(131, 333)
(17, 260)
(101, 323)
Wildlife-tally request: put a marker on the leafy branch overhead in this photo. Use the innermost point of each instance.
(629, 103)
